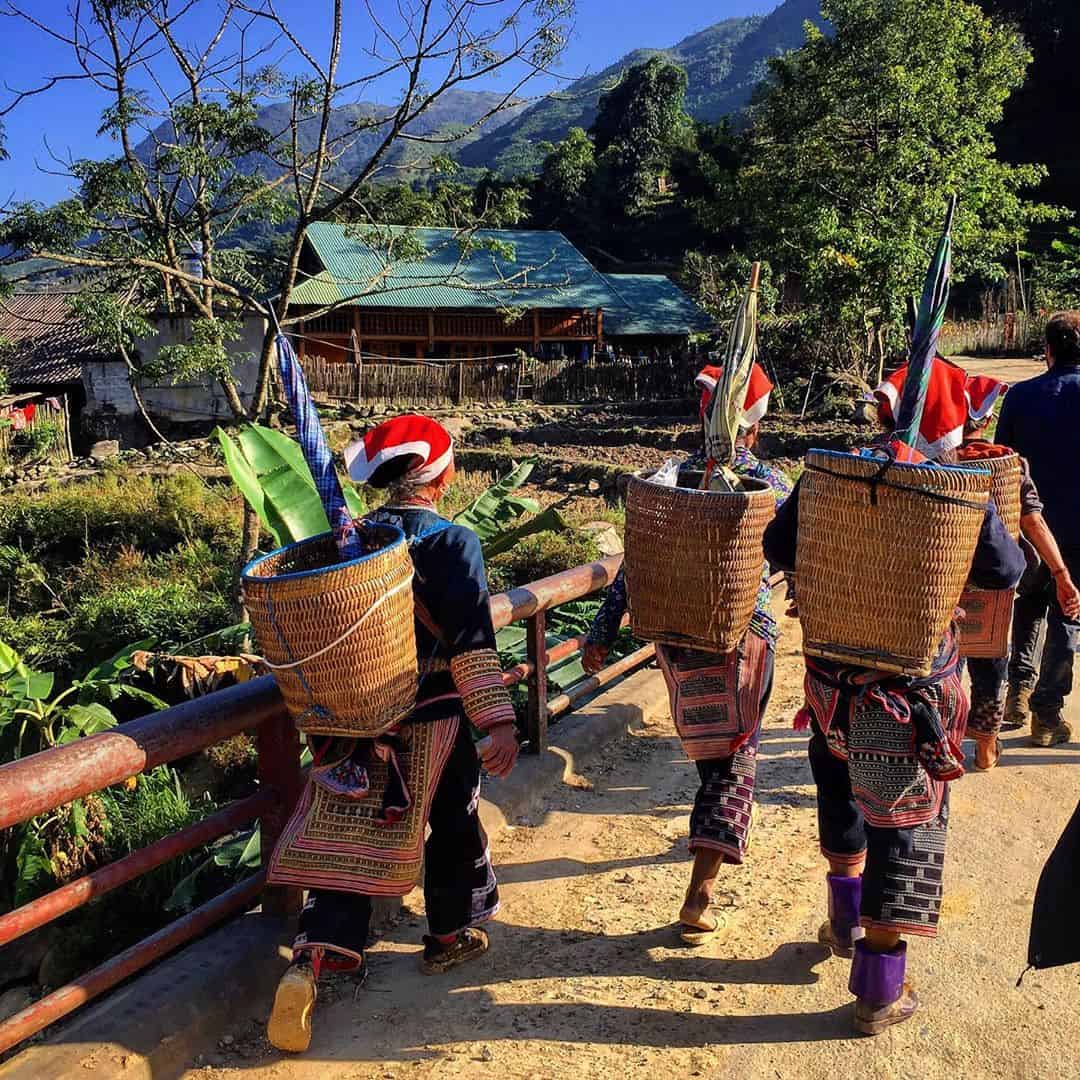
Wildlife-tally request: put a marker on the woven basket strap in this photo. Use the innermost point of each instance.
(423, 616)
(877, 480)
(404, 584)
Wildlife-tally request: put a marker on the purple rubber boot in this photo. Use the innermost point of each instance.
(845, 894)
(883, 998)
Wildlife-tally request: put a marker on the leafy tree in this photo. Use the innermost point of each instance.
(705, 174)
(859, 137)
(1058, 273)
(196, 160)
(638, 126)
(564, 190)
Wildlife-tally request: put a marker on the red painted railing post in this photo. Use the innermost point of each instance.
(536, 653)
(279, 770)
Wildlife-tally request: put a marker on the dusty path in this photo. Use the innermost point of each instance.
(1010, 371)
(586, 978)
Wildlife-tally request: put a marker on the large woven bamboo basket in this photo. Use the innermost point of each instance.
(338, 637)
(884, 550)
(984, 633)
(694, 562)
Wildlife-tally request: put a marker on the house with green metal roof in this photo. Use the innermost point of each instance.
(651, 308)
(386, 291)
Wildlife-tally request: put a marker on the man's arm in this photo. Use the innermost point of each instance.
(1034, 527)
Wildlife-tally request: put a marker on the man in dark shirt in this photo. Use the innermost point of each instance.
(1041, 421)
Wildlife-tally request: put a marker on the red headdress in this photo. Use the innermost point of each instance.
(758, 389)
(946, 410)
(982, 393)
(423, 443)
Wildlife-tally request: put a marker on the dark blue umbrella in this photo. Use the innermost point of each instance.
(924, 337)
(317, 452)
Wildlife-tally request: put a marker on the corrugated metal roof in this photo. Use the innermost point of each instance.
(652, 305)
(50, 344)
(371, 268)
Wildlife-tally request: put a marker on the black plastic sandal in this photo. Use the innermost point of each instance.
(439, 957)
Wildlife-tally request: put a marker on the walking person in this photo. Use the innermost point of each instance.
(883, 750)
(1040, 420)
(989, 676)
(359, 829)
(717, 702)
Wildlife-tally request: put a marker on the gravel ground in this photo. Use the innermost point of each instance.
(586, 977)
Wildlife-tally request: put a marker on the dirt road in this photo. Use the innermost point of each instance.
(587, 979)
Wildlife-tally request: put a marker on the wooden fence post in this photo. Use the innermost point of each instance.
(278, 747)
(536, 654)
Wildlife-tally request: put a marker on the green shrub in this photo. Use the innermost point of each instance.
(172, 612)
(65, 523)
(39, 442)
(43, 641)
(539, 556)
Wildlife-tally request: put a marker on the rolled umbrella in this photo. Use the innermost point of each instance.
(317, 451)
(722, 428)
(924, 337)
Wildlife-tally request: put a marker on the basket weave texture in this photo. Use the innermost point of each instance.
(879, 570)
(984, 633)
(302, 599)
(694, 561)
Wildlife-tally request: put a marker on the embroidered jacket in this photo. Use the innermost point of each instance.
(455, 638)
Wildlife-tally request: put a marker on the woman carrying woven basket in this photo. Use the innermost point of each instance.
(989, 675)
(376, 850)
(726, 760)
(882, 751)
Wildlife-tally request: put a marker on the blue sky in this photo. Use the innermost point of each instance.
(64, 121)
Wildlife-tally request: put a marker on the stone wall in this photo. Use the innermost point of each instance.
(111, 411)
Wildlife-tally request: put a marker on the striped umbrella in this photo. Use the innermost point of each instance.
(727, 405)
(924, 338)
(317, 453)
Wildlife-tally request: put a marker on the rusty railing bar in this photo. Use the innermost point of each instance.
(537, 712)
(579, 690)
(549, 592)
(59, 1003)
(277, 743)
(519, 672)
(60, 901)
(41, 782)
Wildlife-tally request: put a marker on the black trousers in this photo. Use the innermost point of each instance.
(903, 875)
(459, 882)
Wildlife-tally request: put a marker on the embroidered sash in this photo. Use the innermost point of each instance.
(715, 700)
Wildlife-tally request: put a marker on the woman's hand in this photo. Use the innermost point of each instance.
(593, 657)
(1068, 596)
(499, 751)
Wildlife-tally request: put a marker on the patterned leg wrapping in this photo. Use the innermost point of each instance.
(724, 806)
(902, 883)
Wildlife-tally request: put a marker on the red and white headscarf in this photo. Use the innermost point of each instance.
(758, 389)
(982, 393)
(946, 409)
(423, 440)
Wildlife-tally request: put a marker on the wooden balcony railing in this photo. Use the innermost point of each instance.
(45, 781)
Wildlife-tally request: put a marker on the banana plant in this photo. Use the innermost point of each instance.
(269, 469)
(28, 703)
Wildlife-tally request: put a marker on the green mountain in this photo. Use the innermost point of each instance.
(724, 63)
(453, 114)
